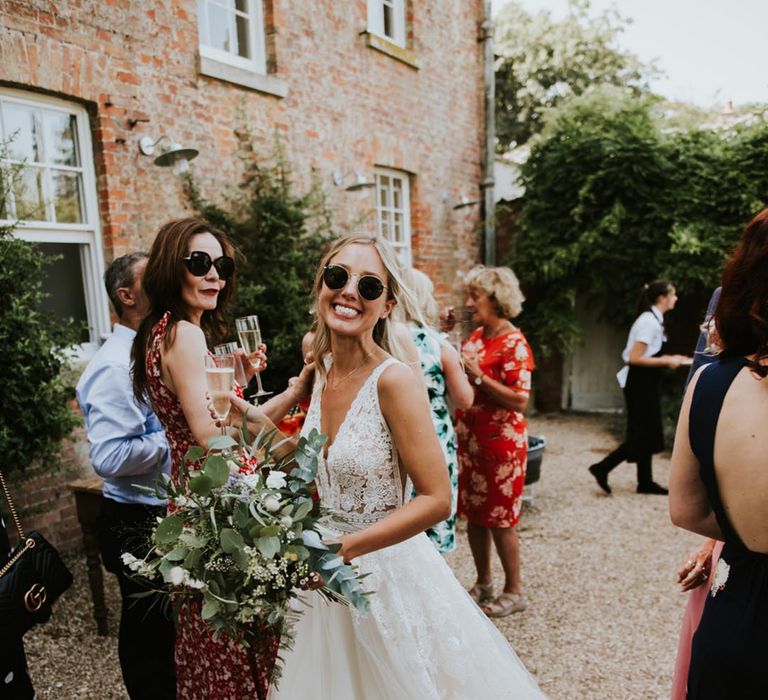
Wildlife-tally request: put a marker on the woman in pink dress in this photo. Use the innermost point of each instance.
(493, 434)
(189, 279)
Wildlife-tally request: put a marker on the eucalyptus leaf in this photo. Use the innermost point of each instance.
(230, 540)
(177, 554)
(312, 539)
(169, 529)
(217, 470)
(194, 454)
(221, 442)
(201, 485)
(210, 608)
(268, 546)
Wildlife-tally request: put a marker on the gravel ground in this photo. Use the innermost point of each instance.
(603, 613)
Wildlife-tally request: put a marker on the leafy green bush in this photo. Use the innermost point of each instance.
(281, 235)
(34, 396)
(614, 200)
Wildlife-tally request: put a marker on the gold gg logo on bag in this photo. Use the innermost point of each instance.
(35, 598)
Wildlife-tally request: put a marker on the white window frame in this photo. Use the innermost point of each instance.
(389, 211)
(86, 235)
(376, 20)
(256, 36)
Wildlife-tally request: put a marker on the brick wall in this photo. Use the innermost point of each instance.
(348, 107)
(44, 502)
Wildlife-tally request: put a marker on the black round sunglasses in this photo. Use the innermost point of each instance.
(369, 287)
(198, 264)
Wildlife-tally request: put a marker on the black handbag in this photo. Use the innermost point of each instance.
(30, 581)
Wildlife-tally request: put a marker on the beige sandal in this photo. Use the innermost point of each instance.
(481, 592)
(506, 604)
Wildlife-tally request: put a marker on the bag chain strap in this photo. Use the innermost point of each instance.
(29, 543)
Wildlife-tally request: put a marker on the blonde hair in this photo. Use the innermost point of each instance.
(501, 286)
(384, 334)
(427, 312)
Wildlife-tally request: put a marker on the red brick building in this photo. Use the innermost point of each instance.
(388, 92)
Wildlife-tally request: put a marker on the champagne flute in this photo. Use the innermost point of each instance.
(231, 348)
(250, 338)
(220, 376)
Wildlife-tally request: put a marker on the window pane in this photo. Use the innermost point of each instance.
(63, 282)
(385, 225)
(242, 6)
(389, 21)
(243, 44)
(398, 225)
(67, 197)
(21, 127)
(218, 28)
(28, 194)
(60, 138)
(383, 185)
(397, 200)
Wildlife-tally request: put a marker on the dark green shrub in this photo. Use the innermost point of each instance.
(280, 235)
(34, 396)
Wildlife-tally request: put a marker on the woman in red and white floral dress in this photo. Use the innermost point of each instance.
(493, 435)
(188, 281)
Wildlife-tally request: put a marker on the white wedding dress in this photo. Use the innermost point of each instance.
(423, 638)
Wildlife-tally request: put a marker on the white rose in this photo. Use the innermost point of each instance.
(276, 480)
(176, 575)
(195, 583)
(272, 503)
(286, 521)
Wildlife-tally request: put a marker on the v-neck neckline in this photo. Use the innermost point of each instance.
(328, 446)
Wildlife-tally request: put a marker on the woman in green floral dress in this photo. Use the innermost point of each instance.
(445, 380)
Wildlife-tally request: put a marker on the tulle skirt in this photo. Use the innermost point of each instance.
(423, 639)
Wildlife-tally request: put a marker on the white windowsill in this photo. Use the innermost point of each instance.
(389, 47)
(240, 76)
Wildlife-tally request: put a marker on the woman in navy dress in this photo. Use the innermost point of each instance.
(719, 480)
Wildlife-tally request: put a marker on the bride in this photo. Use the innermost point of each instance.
(423, 637)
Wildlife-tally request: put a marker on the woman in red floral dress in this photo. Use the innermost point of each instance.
(188, 280)
(493, 435)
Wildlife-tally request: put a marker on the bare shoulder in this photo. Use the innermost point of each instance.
(396, 379)
(187, 338)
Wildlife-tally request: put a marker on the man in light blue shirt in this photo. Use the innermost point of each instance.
(128, 448)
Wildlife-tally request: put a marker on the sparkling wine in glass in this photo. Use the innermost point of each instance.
(231, 348)
(250, 338)
(220, 376)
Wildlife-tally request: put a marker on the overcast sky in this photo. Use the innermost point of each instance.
(711, 50)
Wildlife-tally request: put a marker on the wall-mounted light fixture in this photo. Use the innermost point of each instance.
(465, 202)
(359, 181)
(175, 155)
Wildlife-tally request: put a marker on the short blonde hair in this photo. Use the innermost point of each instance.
(501, 286)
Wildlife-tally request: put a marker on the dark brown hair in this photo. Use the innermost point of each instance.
(741, 317)
(162, 284)
(651, 292)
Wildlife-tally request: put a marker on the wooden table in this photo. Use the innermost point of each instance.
(88, 499)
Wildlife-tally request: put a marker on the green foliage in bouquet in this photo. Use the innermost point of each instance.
(243, 538)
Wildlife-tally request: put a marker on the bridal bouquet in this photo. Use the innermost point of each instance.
(242, 537)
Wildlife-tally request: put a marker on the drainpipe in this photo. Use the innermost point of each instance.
(489, 80)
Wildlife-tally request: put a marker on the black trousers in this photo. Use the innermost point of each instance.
(146, 638)
(620, 454)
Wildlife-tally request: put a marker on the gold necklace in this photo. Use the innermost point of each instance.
(335, 383)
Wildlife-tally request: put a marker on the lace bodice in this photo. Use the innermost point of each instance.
(359, 481)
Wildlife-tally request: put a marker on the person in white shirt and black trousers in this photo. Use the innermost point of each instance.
(640, 379)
